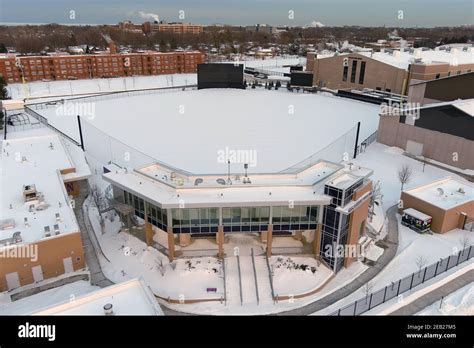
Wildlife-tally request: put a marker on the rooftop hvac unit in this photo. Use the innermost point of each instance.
(29, 193)
(440, 191)
(461, 191)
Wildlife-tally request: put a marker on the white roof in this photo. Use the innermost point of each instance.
(37, 160)
(416, 214)
(446, 193)
(401, 59)
(129, 298)
(344, 181)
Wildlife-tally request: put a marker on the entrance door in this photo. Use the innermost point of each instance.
(37, 273)
(68, 265)
(13, 280)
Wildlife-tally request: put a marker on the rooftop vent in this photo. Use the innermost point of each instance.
(220, 181)
(461, 191)
(198, 181)
(440, 191)
(108, 309)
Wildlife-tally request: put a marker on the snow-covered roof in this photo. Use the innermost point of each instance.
(446, 193)
(44, 163)
(129, 298)
(403, 58)
(303, 188)
(344, 181)
(417, 214)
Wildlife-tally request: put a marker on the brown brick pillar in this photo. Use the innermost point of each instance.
(149, 233)
(171, 251)
(317, 240)
(269, 240)
(462, 220)
(220, 241)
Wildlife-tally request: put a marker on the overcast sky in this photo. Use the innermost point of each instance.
(421, 13)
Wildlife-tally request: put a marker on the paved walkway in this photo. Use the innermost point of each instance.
(97, 276)
(392, 245)
(428, 299)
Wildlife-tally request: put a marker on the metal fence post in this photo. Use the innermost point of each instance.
(436, 270)
(355, 306)
(384, 295)
(370, 300)
(424, 275)
(398, 289)
(411, 283)
(459, 256)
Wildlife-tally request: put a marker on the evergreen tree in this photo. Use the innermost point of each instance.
(3, 49)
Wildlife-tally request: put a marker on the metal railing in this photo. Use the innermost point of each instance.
(403, 285)
(44, 121)
(270, 276)
(240, 280)
(225, 281)
(255, 276)
(369, 140)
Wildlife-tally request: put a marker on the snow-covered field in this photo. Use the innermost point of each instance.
(188, 129)
(460, 302)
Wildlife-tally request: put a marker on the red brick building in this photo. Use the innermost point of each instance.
(63, 67)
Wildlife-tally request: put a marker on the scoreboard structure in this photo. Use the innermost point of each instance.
(220, 75)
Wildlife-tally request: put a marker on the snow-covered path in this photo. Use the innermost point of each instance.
(249, 294)
(232, 281)
(263, 280)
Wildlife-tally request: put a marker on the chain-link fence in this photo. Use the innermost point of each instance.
(400, 286)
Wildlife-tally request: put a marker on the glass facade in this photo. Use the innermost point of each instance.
(156, 216)
(234, 219)
(335, 226)
(195, 220)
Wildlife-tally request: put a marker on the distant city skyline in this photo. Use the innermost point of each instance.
(401, 13)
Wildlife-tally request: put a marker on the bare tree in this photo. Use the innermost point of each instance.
(98, 200)
(421, 261)
(404, 174)
(367, 290)
(465, 241)
(161, 267)
(374, 199)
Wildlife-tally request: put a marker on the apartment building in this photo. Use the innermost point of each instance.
(71, 67)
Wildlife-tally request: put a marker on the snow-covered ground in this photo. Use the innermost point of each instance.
(460, 302)
(90, 86)
(297, 275)
(385, 162)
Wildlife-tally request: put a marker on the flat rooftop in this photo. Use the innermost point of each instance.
(403, 58)
(38, 160)
(304, 187)
(129, 298)
(445, 194)
(197, 130)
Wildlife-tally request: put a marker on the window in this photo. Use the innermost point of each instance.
(344, 73)
(353, 71)
(362, 73)
(388, 90)
(437, 76)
